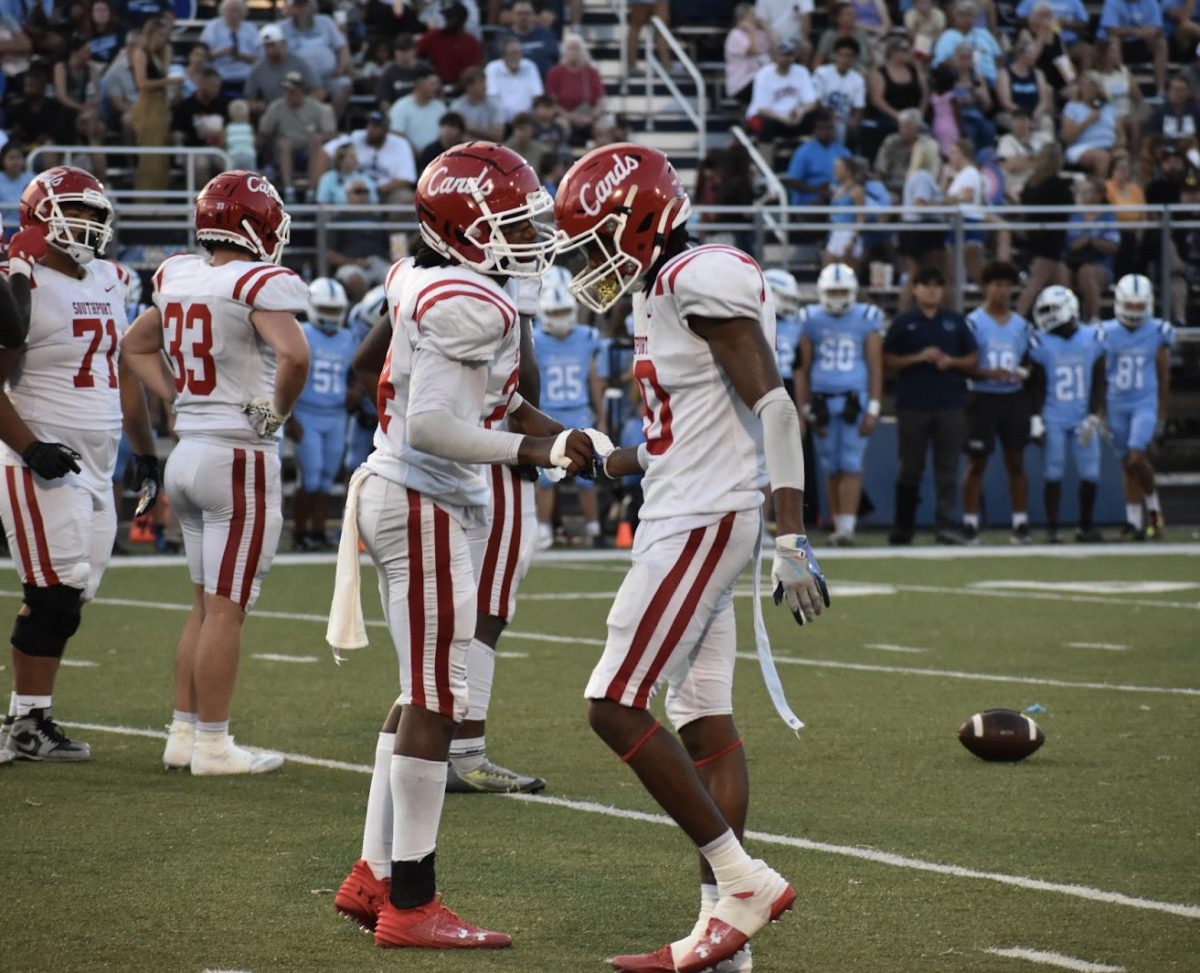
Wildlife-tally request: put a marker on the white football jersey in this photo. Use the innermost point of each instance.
(705, 444)
(452, 325)
(219, 360)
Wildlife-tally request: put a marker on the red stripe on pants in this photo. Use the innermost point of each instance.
(514, 542)
(416, 599)
(237, 526)
(14, 499)
(445, 611)
(487, 571)
(258, 529)
(39, 531)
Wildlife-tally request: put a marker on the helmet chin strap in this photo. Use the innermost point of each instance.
(74, 250)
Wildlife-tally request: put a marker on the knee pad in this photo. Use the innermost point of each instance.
(54, 616)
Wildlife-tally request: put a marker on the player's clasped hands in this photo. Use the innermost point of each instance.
(798, 578)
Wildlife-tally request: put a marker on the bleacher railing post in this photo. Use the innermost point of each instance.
(960, 266)
(1164, 264)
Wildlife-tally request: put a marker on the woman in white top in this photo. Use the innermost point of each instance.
(964, 186)
(1123, 93)
(748, 47)
(921, 248)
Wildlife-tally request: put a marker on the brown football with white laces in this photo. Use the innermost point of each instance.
(1002, 735)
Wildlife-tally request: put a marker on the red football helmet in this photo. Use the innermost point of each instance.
(243, 208)
(619, 202)
(42, 203)
(472, 198)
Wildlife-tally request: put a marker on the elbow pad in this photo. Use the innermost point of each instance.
(781, 439)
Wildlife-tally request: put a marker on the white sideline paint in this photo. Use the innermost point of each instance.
(79, 663)
(845, 589)
(277, 657)
(1055, 959)
(864, 854)
(1090, 587)
(1107, 646)
(1123, 602)
(888, 647)
(512, 655)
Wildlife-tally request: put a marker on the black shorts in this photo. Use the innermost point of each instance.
(996, 414)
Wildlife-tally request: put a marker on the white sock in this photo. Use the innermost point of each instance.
(546, 530)
(845, 523)
(971, 520)
(467, 754)
(179, 716)
(727, 859)
(12, 703)
(377, 829)
(1133, 514)
(1020, 519)
(481, 670)
(418, 791)
(1152, 503)
(593, 528)
(26, 703)
(211, 731)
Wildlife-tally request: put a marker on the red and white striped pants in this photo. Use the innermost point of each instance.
(502, 551)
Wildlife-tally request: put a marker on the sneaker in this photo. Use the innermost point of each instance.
(489, 778)
(951, 538)
(177, 755)
(738, 915)
(841, 539)
(6, 756)
(969, 534)
(601, 543)
(321, 542)
(433, 926)
(307, 544)
(38, 737)
(663, 962)
(1089, 536)
(1154, 526)
(223, 757)
(362, 896)
(1131, 534)
(1052, 536)
(545, 537)
(899, 537)
(1021, 535)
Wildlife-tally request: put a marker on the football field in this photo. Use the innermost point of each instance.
(910, 855)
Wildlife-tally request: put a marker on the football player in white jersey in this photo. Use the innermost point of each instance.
(454, 338)
(238, 362)
(717, 418)
(61, 416)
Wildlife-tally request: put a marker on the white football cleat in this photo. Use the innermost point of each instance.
(222, 757)
(177, 755)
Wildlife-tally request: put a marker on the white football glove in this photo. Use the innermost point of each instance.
(1037, 428)
(1089, 429)
(263, 418)
(798, 578)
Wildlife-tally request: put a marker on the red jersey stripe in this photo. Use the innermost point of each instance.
(237, 526)
(261, 282)
(461, 288)
(14, 500)
(416, 600)
(249, 275)
(445, 611)
(666, 277)
(39, 531)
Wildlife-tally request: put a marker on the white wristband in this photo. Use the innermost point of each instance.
(18, 265)
(873, 408)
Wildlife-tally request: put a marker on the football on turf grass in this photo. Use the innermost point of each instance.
(1001, 735)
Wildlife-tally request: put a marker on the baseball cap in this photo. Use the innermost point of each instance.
(786, 47)
(293, 79)
(271, 34)
(377, 118)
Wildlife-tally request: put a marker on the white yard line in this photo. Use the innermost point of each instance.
(889, 647)
(1183, 910)
(1109, 600)
(1106, 646)
(1046, 958)
(278, 657)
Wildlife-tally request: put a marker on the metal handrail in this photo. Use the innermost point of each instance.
(190, 153)
(698, 116)
(775, 188)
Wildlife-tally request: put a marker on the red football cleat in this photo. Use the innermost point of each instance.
(433, 926)
(659, 962)
(362, 895)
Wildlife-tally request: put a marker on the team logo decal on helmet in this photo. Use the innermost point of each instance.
(242, 208)
(82, 238)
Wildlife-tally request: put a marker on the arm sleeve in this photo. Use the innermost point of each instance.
(432, 425)
(740, 290)
(781, 439)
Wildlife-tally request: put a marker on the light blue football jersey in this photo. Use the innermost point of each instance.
(839, 346)
(1000, 346)
(565, 364)
(787, 344)
(330, 356)
(1068, 364)
(1130, 362)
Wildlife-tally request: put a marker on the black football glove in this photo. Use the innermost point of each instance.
(149, 481)
(51, 460)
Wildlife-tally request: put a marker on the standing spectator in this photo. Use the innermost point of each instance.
(199, 120)
(842, 90)
(1089, 127)
(873, 17)
(315, 38)
(452, 131)
(538, 43)
(844, 245)
(387, 159)
(358, 256)
(894, 156)
(972, 99)
(985, 52)
(513, 80)
(577, 89)
(893, 87)
(1092, 243)
(291, 131)
(239, 136)
(845, 25)
(1177, 120)
(77, 87)
(997, 405)
(747, 49)
(483, 114)
(924, 21)
(264, 84)
(1138, 24)
(199, 60)
(397, 79)
(1052, 58)
(640, 12)
(963, 183)
(1017, 153)
(810, 171)
(783, 94)
(921, 249)
(933, 350)
(1121, 190)
(943, 108)
(105, 32)
(415, 116)
(234, 43)
(1023, 87)
(151, 62)
(118, 91)
(1181, 19)
(1123, 93)
(450, 49)
(787, 20)
(331, 189)
(1167, 188)
(1044, 248)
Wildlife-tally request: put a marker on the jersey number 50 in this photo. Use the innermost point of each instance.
(194, 367)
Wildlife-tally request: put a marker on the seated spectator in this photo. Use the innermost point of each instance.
(610, 130)
(522, 142)
(1092, 243)
(844, 244)
(450, 49)
(551, 170)
(105, 32)
(1121, 190)
(924, 21)
(513, 80)
(972, 99)
(731, 183)
(1070, 17)
(787, 20)
(1123, 93)
(1177, 120)
(452, 129)
(892, 87)
(1051, 55)
(37, 118)
(483, 114)
(290, 134)
(1089, 127)
(387, 159)
(842, 90)
(1023, 87)
(239, 136)
(783, 95)
(985, 52)
(14, 177)
(1046, 186)
(810, 172)
(963, 185)
(577, 89)
(138, 13)
(234, 44)
(397, 79)
(371, 60)
(921, 249)
(549, 129)
(264, 83)
(415, 116)
(845, 25)
(747, 48)
(1168, 187)
(943, 108)
(1138, 24)
(47, 25)
(199, 120)
(199, 60)
(873, 17)
(345, 171)
(315, 38)
(359, 256)
(538, 43)
(77, 85)
(1181, 20)
(895, 155)
(1018, 151)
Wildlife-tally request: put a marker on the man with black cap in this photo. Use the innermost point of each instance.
(291, 132)
(384, 156)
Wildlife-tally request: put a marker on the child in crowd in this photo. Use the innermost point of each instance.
(239, 136)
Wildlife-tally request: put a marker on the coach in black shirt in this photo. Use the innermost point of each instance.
(932, 350)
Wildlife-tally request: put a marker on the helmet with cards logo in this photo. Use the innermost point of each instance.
(242, 208)
(329, 304)
(1133, 300)
(619, 203)
(784, 289)
(557, 304)
(837, 288)
(474, 203)
(1055, 307)
(44, 200)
